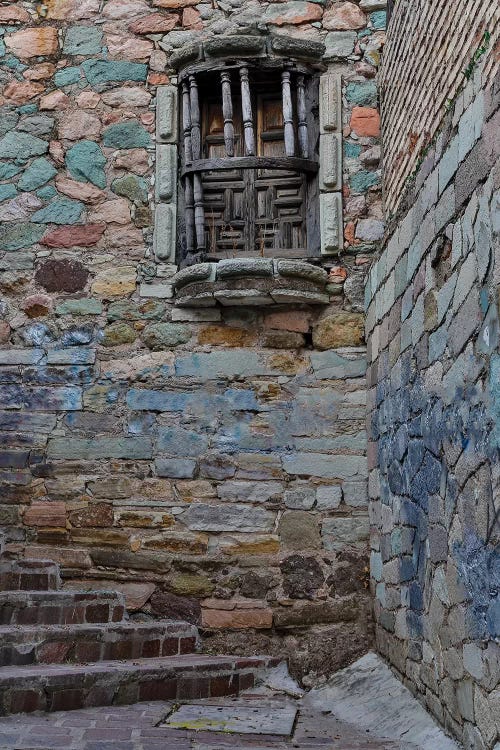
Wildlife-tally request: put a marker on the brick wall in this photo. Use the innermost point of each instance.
(430, 46)
(212, 463)
(433, 415)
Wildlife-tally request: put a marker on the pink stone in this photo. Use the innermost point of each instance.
(72, 10)
(134, 160)
(125, 8)
(45, 514)
(74, 236)
(155, 23)
(13, 14)
(40, 72)
(147, 118)
(173, 3)
(128, 47)
(56, 151)
(124, 237)
(112, 212)
(33, 42)
(311, 12)
(78, 125)
(55, 100)
(4, 331)
(344, 17)
(82, 191)
(37, 305)
(21, 93)
(288, 321)
(191, 19)
(158, 60)
(88, 100)
(19, 208)
(132, 96)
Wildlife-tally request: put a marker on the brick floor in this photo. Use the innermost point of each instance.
(134, 728)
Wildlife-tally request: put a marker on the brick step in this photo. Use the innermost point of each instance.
(29, 575)
(65, 687)
(60, 607)
(59, 644)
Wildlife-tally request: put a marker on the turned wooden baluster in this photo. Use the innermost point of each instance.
(199, 210)
(302, 117)
(288, 113)
(227, 112)
(246, 108)
(188, 157)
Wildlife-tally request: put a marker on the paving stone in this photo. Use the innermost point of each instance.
(255, 720)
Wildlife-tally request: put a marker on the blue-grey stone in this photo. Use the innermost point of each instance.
(179, 442)
(378, 19)
(221, 364)
(21, 356)
(7, 191)
(149, 400)
(15, 145)
(100, 72)
(8, 122)
(175, 468)
(331, 365)
(124, 135)
(67, 76)
(237, 517)
(85, 162)
(325, 465)
(72, 355)
(41, 398)
(82, 40)
(105, 447)
(46, 193)
(8, 170)
(60, 211)
(77, 336)
(37, 125)
(37, 174)
(14, 236)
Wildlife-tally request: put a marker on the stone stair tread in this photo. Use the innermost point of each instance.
(172, 664)
(164, 626)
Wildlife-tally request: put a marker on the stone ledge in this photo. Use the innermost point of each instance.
(252, 282)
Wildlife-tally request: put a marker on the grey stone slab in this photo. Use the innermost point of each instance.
(235, 719)
(166, 172)
(166, 114)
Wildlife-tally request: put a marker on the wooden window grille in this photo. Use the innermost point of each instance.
(249, 184)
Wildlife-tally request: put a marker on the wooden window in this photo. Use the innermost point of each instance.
(249, 184)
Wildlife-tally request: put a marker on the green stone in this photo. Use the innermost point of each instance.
(16, 145)
(363, 181)
(6, 192)
(85, 162)
(9, 170)
(351, 150)
(129, 134)
(84, 306)
(2, 48)
(18, 235)
(379, 19)
(165, 335)
(362, 94)
(67, 76)
(60, 211)
(99, 72)
(82, 40)
(27, 109)
(131, 187)
(127, 310)
(8, 121)
(46, 193)
(117, 334)
(37, 174)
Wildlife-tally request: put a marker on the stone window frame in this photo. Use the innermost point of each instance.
(169, 144)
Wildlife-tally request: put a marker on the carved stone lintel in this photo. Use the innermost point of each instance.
(332, 229)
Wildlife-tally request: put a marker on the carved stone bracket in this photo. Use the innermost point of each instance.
(251, 282)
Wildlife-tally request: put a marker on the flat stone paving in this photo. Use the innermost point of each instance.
(136, 728)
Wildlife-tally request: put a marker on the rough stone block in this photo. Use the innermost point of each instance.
(238, 517)
(176, 468)
(105, 447)
(166, 173)
(165, 231)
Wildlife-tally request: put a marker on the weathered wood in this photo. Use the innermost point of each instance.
(195, 118)
(289, 163)
(246, 107)
(227, 112)
(199, 212)
(186, 123)
(288, 113)
(188, 156)
(302, 117)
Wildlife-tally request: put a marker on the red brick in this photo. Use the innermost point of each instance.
(158, 690)
(224, 685)
(365, 121)
(190, 688)
(170, 647)
(66, 700)
(26, 701)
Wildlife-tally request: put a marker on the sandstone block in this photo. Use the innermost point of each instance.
(237, 618)
(115, 282)
(342, 329)
(33, 42)
(45, 514)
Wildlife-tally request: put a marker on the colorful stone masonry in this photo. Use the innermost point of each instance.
(433, 419)
(209, 463)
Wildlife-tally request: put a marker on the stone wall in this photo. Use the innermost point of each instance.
(210, 463)
(432, 42)
(433, 417)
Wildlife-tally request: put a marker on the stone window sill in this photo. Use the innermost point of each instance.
(251, 282)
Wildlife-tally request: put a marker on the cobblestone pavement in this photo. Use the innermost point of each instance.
(136, 728)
